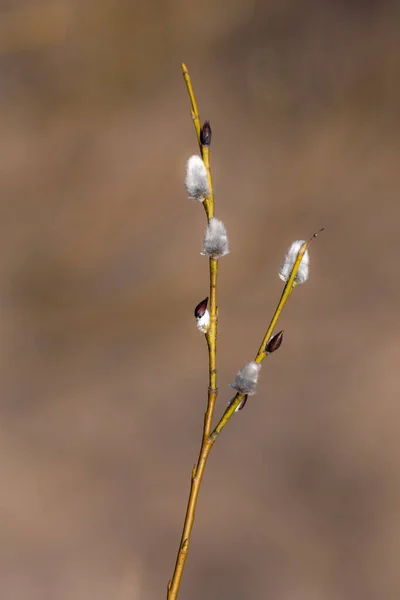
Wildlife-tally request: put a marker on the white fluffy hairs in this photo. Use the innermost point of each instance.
(215, 239)
(196, 180)
(290, 259)
(246, 379)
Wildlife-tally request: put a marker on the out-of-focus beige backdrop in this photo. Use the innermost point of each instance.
(103, 374)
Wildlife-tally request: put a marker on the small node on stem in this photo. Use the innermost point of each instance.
(316, 234)
(205, 134)
(274, 343)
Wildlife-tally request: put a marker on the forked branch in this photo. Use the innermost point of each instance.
(293, 271)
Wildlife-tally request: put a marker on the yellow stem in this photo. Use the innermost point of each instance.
(205, 150)
(194, 110)
(211, 337)
(287, 290)
(209, 201)
(197, 477)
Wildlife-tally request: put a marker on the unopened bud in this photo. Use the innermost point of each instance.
(205, 134)
(202, 316)
(274, 343)
(242, 404)
(201, 308)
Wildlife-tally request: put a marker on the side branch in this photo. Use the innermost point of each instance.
(262, 354)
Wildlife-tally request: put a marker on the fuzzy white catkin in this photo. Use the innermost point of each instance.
(246, 379)
(215, 239)
(290, 259)
(203, 323)
(196, 180)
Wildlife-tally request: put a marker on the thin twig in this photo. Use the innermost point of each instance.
(194, 110)
(204, 150)
(261, 354)
(211, 338)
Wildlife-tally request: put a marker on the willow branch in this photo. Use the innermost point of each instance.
(262, 354)
(208, 439)
(211, 338)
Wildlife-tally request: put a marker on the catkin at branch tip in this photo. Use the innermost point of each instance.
(246, 379)
(196, 180)
(290, 259)
(215, 239)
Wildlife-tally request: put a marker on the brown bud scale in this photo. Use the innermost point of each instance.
(201, 308)
(205, 134)
(243, 403)
(274, 343)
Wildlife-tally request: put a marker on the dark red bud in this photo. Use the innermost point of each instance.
(201, 308)
(243, 403)
(274, 343)
(205, 134)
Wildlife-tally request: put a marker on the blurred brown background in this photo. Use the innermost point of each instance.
(103, 373)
